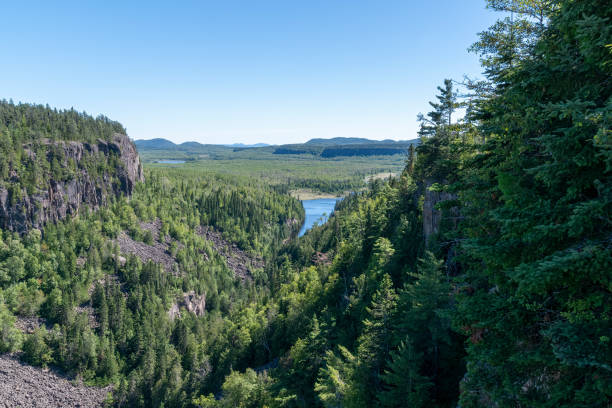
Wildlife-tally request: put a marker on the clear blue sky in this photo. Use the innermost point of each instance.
(241, 71)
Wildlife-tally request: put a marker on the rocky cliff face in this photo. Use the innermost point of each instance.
(21, 210)
(194, 303)
(432, 216)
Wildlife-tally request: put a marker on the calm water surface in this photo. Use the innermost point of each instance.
(317, 211)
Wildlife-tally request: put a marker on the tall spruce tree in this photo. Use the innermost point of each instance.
(537, 196)
(375, 342)
(405, 386)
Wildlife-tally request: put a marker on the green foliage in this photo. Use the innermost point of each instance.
(537, 301)
(242, 390)
(10, 336)
(335, 386)
(36, 351)
(374, 344)
(301, 174)
(364, 306)
(509, 305)
(404, 385)
(38, 149)
(111, 319)
(23, 123)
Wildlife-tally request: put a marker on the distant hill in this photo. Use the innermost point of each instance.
(350, 141)
(156, 149)
(242, 145)
(347, 146)
(190, 145)
(158, 143)
(165, 144)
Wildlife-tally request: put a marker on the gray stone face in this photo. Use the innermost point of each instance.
(192, 302)
(432, 216)
(64, 198)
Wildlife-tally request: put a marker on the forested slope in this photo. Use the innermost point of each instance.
(482, 276)
(53, 162)
(479, 277)
(106, 314)
(79, 292)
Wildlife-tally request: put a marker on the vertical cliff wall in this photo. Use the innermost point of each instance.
(91, 174)
(432, 216)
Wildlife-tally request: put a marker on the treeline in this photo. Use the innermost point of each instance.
(285, 150)
(504, 299)
(370, 149)
(32, 148)
(22, 123)
(367, 150)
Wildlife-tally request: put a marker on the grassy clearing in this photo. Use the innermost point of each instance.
(306, 194)
(379, 176)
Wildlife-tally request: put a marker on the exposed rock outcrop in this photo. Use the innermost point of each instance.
(23, 210)
(24, 386)
(321, 258)
(431, 215)
(192, 302)
(195, 304)
(29, 324)
(158, 251)
(242, 263)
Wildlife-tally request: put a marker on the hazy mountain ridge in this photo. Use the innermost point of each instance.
(324, 148)
(161, 143)
(351, 140)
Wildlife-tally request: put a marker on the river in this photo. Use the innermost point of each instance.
(317, 211)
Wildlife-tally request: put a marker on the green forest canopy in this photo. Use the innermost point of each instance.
(506, 304)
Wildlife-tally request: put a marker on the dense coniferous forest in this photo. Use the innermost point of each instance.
(106, 316)
(32, 138)
(307, 166)
(478, 277)
(31, 127)
(29, 123)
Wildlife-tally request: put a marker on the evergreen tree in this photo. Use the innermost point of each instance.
(442, 113)
(404, 384)
(438, 153)
(424, 316)
(336, 385)
(375, 342)
(536, 301)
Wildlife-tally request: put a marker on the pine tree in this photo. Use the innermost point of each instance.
(423, 315)
(404, 384)
(442, 113)
(375, 341)
(535, 300)
(438, 156)
(336, 387)
(10, 336)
